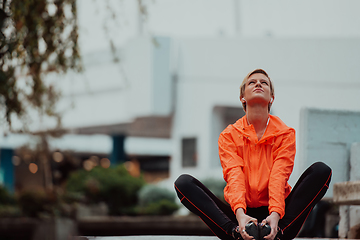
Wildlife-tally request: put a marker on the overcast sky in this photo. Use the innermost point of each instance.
(209, 18)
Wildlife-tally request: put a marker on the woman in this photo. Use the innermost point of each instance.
(257, 156)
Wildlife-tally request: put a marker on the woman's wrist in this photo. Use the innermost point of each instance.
(276, 215)
(239, 212)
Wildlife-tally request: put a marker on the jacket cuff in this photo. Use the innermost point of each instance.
(278, 210)
(237, 206)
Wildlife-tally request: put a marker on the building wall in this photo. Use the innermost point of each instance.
(327, 136)
(311, 57)
(315, 73)
(196, 78)
(114, 87)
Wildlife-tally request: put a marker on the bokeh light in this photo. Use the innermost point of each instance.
(33, 168)
(57, 174)
(58, 157)
(88, 165)
(16, 160)
(133, 167)
(95, 160)
(105, 163)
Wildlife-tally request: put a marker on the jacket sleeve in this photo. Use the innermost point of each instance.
(284, 155)
(232, 164)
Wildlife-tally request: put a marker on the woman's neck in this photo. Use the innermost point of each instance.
(258, 117)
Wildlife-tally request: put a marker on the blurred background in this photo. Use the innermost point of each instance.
(121, 97)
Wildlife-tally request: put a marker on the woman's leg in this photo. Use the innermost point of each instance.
(200, 200)
(309, 190)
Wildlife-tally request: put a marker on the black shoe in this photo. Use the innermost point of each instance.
(279, 234)
(252, 229)
(256, 231)
(264, 231)
(236, 233)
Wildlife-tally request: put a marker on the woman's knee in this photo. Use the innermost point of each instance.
(183, 181)
(321, 169)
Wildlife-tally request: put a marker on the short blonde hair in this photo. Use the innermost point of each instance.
(242, 86)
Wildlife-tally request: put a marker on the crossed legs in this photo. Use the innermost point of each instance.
(310, 188)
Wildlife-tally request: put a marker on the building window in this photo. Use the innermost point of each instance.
(189, 152)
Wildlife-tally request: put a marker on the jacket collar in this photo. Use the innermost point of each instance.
(274, 128)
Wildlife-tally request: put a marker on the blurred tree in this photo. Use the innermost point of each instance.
(37, 37)
(114, 186)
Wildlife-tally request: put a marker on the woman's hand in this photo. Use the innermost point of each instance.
(272, 220)
(244, 219)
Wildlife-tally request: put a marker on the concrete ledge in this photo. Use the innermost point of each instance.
(146, 225)
(26, 228)
(169, 237)
(182, 238)
(347, 193)
(17, 228)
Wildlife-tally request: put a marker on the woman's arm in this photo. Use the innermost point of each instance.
(282, 167)
(232, 165)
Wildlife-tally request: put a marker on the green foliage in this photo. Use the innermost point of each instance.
(114, 186)
(37, 37)
(44, 204)
(154, 200)
(8, 206)
(152, 193)
(5, 197)
(33, 203)
(162, 207)
(215, 186)
(10, 211)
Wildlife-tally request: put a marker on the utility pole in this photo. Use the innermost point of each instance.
(141, 13)
(237, 17)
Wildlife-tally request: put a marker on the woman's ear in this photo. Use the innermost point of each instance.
(272, 99)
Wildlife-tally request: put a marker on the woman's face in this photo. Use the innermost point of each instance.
(257, 90)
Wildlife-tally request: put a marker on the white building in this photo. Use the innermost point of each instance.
(184, 86)
(316, 73)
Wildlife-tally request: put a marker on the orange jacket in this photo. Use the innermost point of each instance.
(257, 172)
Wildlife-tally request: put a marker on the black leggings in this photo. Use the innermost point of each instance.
(220, 218)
